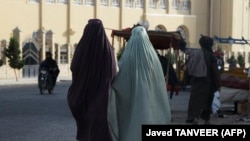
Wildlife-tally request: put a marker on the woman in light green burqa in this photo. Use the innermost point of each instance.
(139, 94)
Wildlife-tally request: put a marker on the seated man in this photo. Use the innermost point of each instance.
(51, 66)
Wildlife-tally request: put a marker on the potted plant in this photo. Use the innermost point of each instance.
(232, 62)
(241, 60)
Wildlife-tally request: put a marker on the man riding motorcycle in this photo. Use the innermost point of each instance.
(51, 66)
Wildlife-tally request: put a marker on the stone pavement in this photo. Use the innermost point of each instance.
(225, 116)
(178, 103)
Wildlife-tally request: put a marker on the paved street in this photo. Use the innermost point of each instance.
(26, 115)
(179, 106)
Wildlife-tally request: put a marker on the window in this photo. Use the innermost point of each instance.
(162, 4)
(89, 2)
(1, 55)
(63, 58)
(183, 32)
(79, 2)
(34, 1)
(160, 28)
(3, 45)
(152, 3)
(63, 55)
(129, 3)
(185, 5)
(139, 4)
(63, 1)
(116, 3)
(175, 4)
(50, 1)
(104, 2)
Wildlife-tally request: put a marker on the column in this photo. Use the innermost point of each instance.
(68, 53)
(96, 7)
(58, 54)
(41, 6)
(51, 42)
(41, 43)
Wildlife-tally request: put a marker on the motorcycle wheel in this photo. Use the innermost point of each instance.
(41, 91)
(50, 91)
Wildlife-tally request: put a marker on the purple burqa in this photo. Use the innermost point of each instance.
(93, 68)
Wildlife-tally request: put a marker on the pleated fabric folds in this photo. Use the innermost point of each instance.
(139, 94)
(93, 69)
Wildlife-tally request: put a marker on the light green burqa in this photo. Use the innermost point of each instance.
(139, 94)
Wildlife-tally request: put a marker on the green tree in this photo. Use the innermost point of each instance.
(232, 61)
(13, 54)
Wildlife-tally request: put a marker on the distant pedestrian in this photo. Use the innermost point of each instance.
(170, 75)
(93, 69)
(220, 61)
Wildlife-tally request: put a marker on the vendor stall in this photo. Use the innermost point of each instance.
(234, 81)
(161, 40)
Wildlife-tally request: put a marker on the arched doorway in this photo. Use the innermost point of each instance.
(31, 59)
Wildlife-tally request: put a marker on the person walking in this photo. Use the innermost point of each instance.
(204, 79)
(139, 94)
(93, 69)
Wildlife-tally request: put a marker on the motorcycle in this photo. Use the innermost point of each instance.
(45, 81)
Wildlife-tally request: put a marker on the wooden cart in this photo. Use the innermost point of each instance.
(161, 40)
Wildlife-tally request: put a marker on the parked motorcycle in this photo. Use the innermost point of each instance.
(45, 81)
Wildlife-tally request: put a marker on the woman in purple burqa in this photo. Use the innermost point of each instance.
(93, 68)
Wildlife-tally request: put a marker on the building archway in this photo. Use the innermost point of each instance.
(160, 27)
(30, 55)
(184, 33)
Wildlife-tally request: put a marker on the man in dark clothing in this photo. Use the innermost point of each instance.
(171, 76)
(51, 66)
(220, 61)
(204, 80)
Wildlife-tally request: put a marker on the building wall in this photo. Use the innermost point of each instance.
(231, 18)
(201, 10)
(67, 21)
